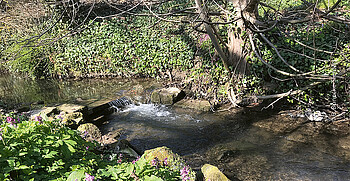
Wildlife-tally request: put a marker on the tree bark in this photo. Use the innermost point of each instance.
(236, 43)
(209, 29)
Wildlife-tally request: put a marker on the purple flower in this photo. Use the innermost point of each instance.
(60, 116)
(165, 161)
(137, 159)
(119, 161)
(89, 177)
(39, 119)
(155, 162)
(85, 133)
(184, 173)
(87, 148)
(11, 121)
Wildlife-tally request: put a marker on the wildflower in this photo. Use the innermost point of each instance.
(87, 148)
(39, 119)
(155, 162)
(0, 133)
(119, 161)
(184, 173)
(137, 159)
(10, 120)
(165, 161)
(60, 116)
(84, 135)
(89, 177)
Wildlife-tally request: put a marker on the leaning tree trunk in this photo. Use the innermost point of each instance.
(203, 13)
(236, 43)
(233, 56)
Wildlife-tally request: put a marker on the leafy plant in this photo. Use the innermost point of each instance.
(43, 149)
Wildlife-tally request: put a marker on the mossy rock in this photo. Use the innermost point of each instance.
(212, 173)
(174, 161)
(167, 96)
(73, 120)
(90, 132)
(45, 112)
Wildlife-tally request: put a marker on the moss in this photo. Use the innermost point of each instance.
(212, 173)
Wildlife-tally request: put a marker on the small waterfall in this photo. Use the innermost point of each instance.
(120, 103)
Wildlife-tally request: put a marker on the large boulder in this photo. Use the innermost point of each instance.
(45, 111)
(72, 120)
(212, 173)
(199, 105)
(173, 160)
(90, 132)
(167, 96)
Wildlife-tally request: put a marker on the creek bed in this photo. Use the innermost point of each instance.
(239, 144)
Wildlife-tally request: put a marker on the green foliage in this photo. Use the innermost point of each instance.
(124, 46)
(28, 60)
(42, 149)
(324, 38)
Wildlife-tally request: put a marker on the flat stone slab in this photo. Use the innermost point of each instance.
(72, 108)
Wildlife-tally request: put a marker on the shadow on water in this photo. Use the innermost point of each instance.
(231, 142)
(17, 90)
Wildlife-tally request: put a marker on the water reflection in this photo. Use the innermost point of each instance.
(15, 90)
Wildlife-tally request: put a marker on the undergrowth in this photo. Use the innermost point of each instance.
(43, 149)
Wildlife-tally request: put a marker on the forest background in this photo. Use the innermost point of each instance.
(238, 52)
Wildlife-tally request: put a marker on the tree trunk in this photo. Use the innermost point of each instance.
(209, 29)
(236, 44)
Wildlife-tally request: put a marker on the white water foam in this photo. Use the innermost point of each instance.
(149, 110)
(158, 112)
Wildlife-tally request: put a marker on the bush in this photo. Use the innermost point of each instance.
(42, 149)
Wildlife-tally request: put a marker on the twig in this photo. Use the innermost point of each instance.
(271, 105)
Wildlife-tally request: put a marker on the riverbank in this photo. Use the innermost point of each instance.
(245, 143)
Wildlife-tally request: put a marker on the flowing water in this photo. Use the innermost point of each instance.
(233, 142)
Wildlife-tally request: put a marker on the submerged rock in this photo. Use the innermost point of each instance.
(200, 105)
(212, 173)
(167, 96)
(90, 132)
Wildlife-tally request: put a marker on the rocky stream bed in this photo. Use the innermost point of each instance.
(243, 143)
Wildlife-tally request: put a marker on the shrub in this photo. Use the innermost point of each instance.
(43, 149)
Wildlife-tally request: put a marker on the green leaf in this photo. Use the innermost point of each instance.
(52, 154)
(79, 174)
(22, 167)
(152, 178)
(22, 153)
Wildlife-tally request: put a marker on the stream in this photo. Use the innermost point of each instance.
(244, 144)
